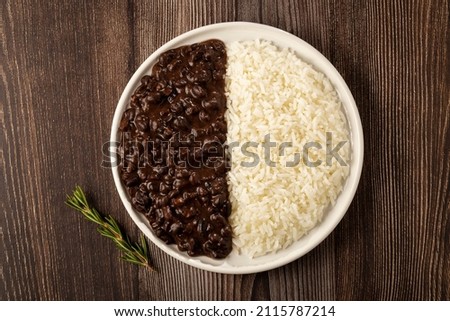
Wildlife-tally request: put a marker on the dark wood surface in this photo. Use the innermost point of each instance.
(63, 68)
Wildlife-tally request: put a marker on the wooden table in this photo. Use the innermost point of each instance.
(63, 69)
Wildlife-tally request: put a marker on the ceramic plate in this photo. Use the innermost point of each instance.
(237, 263)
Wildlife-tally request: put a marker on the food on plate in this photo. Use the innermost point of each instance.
(172, 140)
(229, 145)
(271, 91)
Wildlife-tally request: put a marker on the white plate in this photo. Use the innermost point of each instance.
(237, 31)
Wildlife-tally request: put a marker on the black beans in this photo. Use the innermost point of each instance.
(204, 116)
(172, 138)
(194, 178)
(130, 179)
(164, 188)
(181, 123)
(197, 91)
(176, 227)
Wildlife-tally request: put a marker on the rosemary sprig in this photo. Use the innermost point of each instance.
(133, 252)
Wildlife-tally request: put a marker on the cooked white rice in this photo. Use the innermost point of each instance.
(272, 91)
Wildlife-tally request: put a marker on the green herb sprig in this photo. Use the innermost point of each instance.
(132, 252)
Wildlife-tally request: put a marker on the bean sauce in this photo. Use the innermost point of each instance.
(173, 163)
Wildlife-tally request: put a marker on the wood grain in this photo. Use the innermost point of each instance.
(63, 68)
